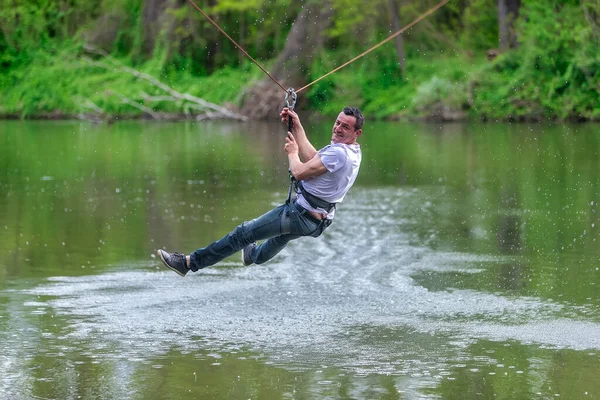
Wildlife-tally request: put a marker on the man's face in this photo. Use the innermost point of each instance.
(343, 129)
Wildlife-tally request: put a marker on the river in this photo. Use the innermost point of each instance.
(464, 264)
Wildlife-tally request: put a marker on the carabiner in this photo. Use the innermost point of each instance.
(290, 93)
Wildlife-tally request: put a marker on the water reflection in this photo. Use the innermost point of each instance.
(463, 265)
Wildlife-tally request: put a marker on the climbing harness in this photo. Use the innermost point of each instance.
(290, 103)
(314, 201)
(291, 188)
(291, 96)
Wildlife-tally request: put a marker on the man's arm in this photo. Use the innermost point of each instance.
(302, 170)
(306, 150)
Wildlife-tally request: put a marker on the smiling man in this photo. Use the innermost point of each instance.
(323, 179)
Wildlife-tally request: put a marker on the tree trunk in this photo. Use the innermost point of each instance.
(508, 11)
(242, 35)
(151, 13)
(265, 99)
(395, 10)
(212, 48)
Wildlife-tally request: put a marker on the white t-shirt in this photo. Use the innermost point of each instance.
(342, 162)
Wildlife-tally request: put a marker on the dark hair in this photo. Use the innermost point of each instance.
(355, 112)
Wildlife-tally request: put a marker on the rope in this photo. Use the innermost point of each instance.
(421, 17)
(237, 45)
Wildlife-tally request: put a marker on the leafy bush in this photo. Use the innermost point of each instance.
(439, 91)
(555, 71)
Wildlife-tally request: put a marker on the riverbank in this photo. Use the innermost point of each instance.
(437, 115)
(444, 88)
(135, 60)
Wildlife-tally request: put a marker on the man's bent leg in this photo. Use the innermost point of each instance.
(263, 227)
(296, 226)
(271, 248)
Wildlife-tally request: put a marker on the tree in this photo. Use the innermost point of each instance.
(265, 98)
(399, 40)
(508, 11)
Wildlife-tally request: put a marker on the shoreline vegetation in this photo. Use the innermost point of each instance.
(487, 60)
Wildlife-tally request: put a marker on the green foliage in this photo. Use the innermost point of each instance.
(439, 91)
(553, 73)
(429, 81)
(29, 24)
(236, 5)
(70, 85)
(223, 85)
(353, 16)
(34, 90)
(480, 25)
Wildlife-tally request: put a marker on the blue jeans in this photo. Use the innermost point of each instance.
(280, 225)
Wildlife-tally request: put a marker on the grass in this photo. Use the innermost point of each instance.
(50, 82)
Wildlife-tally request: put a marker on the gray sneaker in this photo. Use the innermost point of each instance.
(174, 261)
(246, 251)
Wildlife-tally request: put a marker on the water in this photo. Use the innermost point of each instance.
(463, 264)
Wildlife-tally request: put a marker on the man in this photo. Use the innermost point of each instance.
(324, 177)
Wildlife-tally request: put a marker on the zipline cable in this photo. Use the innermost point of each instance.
(421, 17)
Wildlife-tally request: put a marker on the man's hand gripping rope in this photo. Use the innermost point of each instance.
(290, 143)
